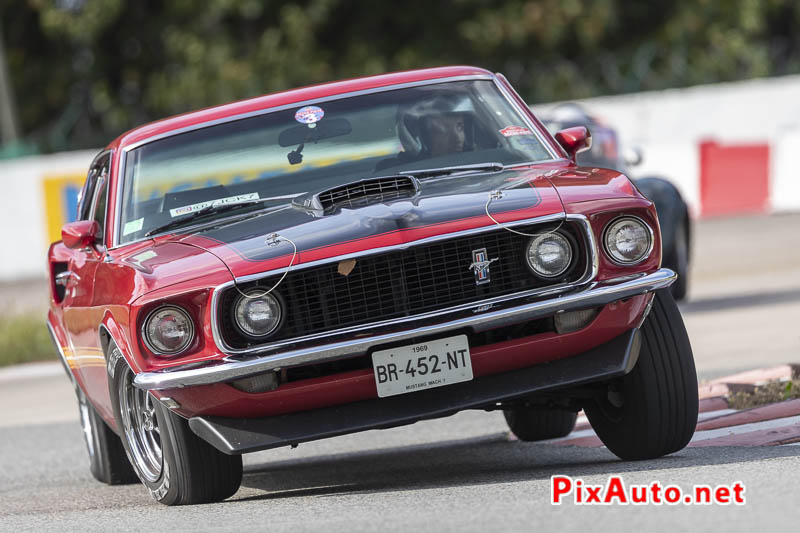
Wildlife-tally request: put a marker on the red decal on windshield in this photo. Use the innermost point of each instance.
(511, 131)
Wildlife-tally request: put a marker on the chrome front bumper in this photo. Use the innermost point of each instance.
(479, 318)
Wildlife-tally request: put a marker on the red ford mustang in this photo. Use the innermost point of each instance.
(358, 255)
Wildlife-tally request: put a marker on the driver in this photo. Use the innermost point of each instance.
(443, 133)
(435, 126)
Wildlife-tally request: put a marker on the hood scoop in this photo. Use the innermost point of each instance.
(363, 193)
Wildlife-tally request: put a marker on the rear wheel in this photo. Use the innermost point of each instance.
(175, 465)
(540, 423)
(652, 411)
(107, 459)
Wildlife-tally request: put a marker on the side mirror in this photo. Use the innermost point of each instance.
(574, 140)
(79, 234)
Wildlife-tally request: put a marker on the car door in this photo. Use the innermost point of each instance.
(81, 318)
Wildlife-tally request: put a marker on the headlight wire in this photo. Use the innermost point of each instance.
(273, 239)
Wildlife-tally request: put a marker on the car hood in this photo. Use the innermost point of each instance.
(441, 205)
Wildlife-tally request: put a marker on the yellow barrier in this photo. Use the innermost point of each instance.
(61, 193)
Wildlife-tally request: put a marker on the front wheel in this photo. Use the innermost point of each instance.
(176, 466)
(652, 411)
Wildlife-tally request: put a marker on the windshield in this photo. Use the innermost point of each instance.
(310, 148)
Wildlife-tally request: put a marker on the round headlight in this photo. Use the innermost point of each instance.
(257, 314)
(168, 330)
(628, 240)
(549, 255)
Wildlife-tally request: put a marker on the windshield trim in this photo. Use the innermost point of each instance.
(123, 152)
(301, 103)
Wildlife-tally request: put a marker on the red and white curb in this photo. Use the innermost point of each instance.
(775, 424)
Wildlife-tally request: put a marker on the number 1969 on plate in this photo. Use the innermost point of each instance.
(422, 366)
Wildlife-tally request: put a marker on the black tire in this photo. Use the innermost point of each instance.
(108, 461)
(652, 411)
(191, 471)
(678, 260)
(539, 423)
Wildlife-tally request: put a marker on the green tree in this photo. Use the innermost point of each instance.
(86, 70)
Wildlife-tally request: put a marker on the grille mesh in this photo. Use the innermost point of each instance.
(402, 283)
(363, 192)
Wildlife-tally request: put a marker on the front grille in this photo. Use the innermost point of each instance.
(367, 191)
(401, 283)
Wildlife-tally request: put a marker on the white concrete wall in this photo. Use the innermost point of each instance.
(23, 247)
(669, 125)
(785, 169)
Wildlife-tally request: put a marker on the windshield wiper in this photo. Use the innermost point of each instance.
(448, 171)
(213, 209)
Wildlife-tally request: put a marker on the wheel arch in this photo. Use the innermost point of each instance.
(110, 330)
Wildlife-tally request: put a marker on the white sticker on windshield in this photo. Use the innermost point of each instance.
(133, 226)
(185, 210)
(309, 114)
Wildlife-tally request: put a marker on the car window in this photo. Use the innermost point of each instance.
(87, 194)
(314, 146)
(99, 214)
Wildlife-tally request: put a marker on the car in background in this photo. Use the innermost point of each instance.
(605, 152)
(359, 255)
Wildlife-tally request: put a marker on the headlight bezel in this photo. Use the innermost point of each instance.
(159, 352)
(571, 246)
(281, 304)
(610, 225)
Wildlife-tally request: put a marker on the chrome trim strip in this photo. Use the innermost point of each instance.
(590, 275)
(116, 234)
(215, 372)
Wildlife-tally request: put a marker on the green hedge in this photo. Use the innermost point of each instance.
(24, 338)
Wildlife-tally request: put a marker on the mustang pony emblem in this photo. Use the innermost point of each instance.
(480, 265)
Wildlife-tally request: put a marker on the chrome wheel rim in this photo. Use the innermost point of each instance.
(137, 409)
(86, 422)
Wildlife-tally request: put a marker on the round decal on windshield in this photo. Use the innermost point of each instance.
(309, 114)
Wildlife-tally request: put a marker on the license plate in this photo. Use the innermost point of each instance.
(422, 366)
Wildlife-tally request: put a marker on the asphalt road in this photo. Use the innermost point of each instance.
(457, 474)
(744, 296)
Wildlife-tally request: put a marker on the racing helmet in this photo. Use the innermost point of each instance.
(420, 122)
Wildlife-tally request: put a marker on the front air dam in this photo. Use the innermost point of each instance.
(243, 435)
